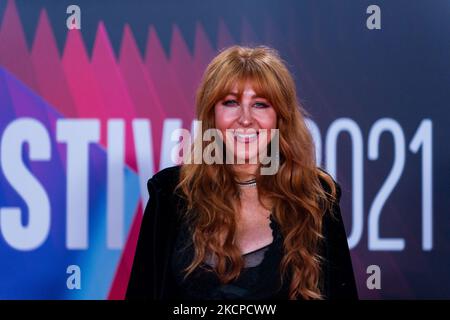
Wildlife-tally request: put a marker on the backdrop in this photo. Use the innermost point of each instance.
(90, 95)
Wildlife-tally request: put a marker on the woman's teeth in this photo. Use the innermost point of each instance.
(245, 137)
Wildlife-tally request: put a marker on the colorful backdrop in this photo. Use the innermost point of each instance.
(87, 115)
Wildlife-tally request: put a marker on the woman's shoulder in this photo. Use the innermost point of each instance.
(332, 219)
(328, 183)
(162, 189)
(165, 179)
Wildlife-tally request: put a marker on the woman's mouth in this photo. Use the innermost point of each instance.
(245, 137)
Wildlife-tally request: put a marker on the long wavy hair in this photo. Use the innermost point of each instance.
(295, 192)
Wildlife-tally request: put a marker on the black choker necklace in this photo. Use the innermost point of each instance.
(248, 183)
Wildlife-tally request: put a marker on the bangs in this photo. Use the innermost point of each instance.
(261, 80)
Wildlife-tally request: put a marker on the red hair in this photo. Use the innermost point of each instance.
(297, 196)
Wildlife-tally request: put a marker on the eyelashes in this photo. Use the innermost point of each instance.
(262, 105)
(231, 103)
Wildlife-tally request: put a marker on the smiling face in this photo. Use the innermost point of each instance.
(244, 118)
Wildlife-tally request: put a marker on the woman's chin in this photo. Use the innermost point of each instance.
(246, 158)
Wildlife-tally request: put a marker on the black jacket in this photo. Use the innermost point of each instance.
(151, 276)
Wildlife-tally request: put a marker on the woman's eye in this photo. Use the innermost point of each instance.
(261, 105)
(230, 103)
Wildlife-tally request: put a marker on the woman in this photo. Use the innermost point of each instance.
(230, 231)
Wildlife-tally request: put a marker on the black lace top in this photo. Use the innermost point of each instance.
(260, 278)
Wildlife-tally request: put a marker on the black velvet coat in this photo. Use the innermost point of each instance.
(151, 276)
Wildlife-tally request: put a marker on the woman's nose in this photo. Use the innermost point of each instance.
(245, 118)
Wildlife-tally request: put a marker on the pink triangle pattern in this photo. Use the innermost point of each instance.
(105, 86)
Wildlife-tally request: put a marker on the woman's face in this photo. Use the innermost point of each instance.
(243, 120)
